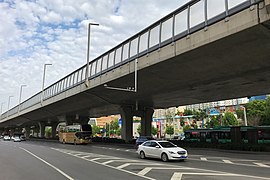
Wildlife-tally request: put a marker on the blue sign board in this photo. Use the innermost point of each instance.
(119, 121)
(212, 112)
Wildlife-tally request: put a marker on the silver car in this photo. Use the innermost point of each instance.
(163, 150)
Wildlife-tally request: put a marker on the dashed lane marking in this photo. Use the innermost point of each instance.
(123, 166)
(262, 165)
(123, 170)
(203, 159)
(147, 169)
(227, 161)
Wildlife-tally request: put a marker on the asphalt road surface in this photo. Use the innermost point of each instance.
(36, 160)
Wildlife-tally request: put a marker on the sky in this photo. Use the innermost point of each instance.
(37, 32)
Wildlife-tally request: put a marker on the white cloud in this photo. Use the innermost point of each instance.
(55, 31)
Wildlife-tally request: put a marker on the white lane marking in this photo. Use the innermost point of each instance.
(170, 167)
(94, 159)
(86, 156)
(107, 162)
(144, 171)
(227, 161)
(118, 149)
(147, 169)
(216, 174)
(52, 166)
(127, 150)
(203, 159)
(123, 166)
(262, 165)
(238, 164)
(176, 176)
(120, 160)
(123, 170)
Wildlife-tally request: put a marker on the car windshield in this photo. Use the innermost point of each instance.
(167, 144)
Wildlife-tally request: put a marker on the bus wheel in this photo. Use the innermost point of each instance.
(64, 142)
(75, 142)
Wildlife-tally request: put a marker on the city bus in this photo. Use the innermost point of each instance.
(75, 134)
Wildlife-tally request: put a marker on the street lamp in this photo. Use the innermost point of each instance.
(245, 115)
(43, 82)
(88, 53)
(9, 103)
(20, 97)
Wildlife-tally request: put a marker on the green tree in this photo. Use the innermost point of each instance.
(214, 121)
(169, 130)
(200, 115)
(256, 112)
(95, 130)
(154, 131)
(187, 112)
(169, 115)
(139, 129)
(118, 132)
(48, 131)
(182, 122)
(240, 113)
(266, 119)
(187, 127)
(229, 119)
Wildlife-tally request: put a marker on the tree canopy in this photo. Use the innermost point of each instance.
(229, 119)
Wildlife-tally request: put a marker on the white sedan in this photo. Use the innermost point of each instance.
(164, 150)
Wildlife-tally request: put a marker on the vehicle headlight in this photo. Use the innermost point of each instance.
(171, 152)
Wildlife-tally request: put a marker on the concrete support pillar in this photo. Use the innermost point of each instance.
(146, 122)
(54, 126)
(127, 123)
(41, 129)
(27, 132)
(11, 131)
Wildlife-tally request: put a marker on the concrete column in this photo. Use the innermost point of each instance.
(27, 132)
(127, 123)
(54, 126)
(41, 129)
(146, 122)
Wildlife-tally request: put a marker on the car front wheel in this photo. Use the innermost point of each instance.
(164, 157)
(142, 155)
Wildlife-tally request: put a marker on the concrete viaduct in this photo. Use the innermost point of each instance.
(198, 53)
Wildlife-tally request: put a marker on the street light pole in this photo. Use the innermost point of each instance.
(43, 81)
(245, 116)
(88, 53)
(9, 104)
(20, 97)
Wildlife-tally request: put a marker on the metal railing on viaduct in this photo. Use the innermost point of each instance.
(191, 17)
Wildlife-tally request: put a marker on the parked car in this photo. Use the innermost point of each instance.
(6, 138)
(16, 139)
(163, 150)
(141, 140)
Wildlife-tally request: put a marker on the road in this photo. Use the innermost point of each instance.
(32, 160)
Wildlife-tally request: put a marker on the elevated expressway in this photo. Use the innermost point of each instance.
(198, 53)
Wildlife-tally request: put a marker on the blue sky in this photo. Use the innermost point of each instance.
(35, 32)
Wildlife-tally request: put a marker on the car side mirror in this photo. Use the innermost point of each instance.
(157, 147)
